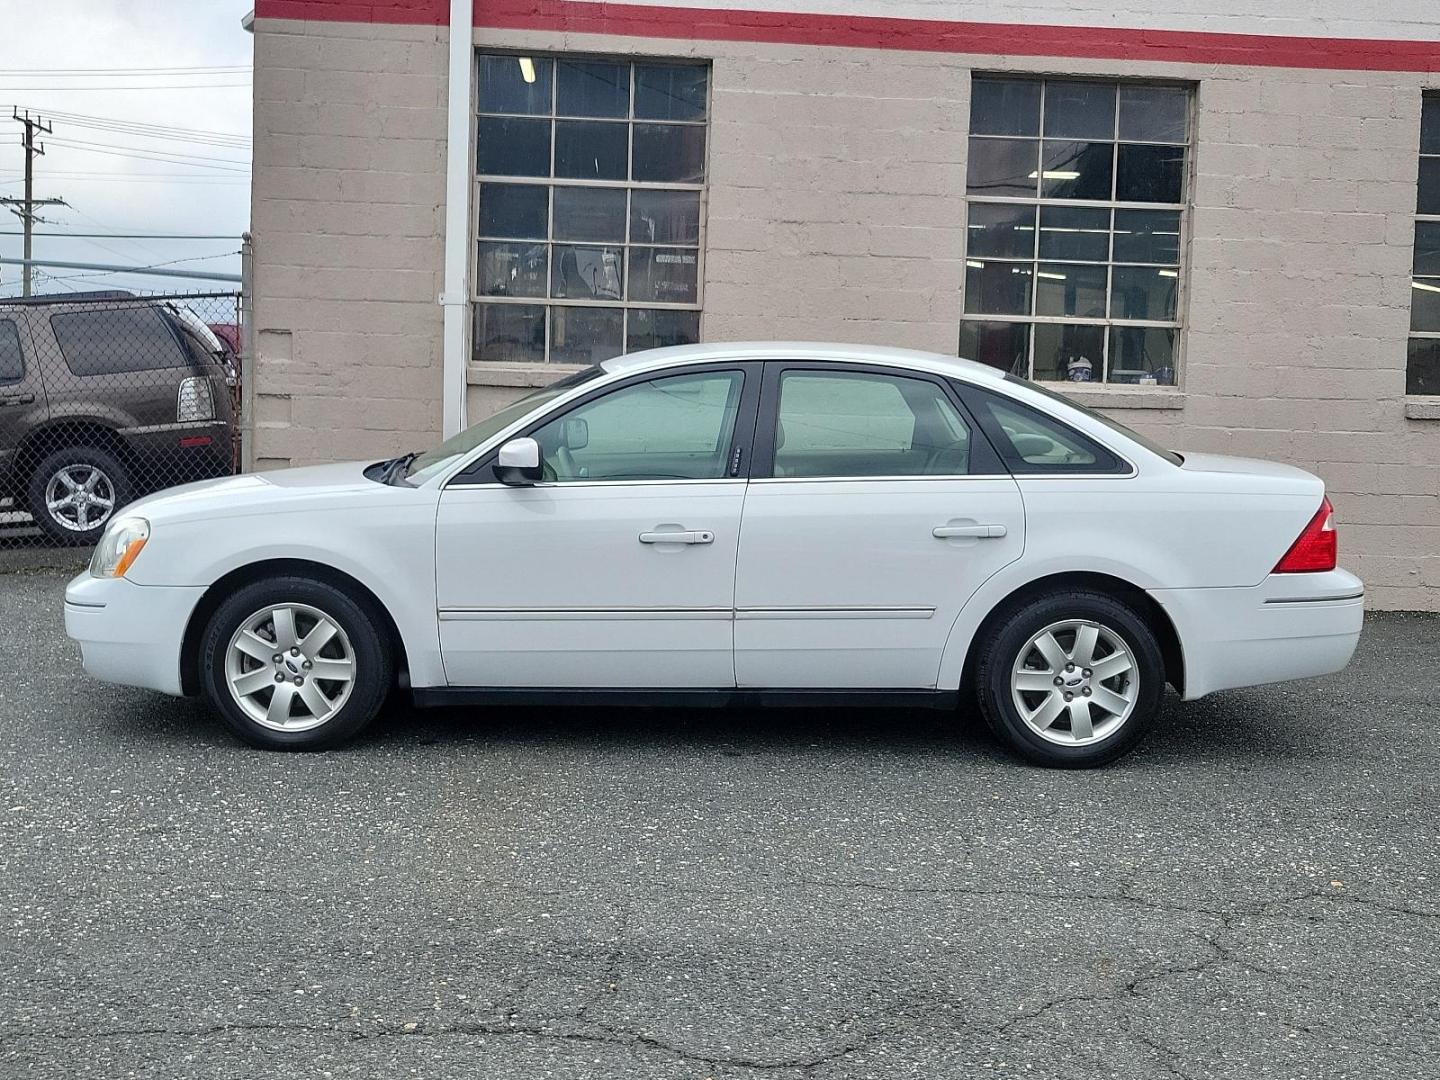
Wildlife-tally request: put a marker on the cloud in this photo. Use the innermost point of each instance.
(197, 186)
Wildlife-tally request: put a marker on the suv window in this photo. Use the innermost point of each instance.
(1031, 442)
(12, 360)
(857, 424)
(114, 340)
(676, 428)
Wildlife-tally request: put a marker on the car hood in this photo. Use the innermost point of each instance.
(277, 492)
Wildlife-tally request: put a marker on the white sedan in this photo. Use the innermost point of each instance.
(766, 522)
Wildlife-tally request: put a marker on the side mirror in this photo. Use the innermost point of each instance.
(518, 463)
(576, 433)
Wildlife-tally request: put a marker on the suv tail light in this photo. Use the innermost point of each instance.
(1315, 549)
(195, 400)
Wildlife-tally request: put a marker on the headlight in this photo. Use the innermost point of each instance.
(122, 542)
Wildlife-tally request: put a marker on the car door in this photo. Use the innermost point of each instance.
(618, 568)
(876, 508)
(23, 405)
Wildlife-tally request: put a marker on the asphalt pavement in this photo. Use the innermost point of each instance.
(821, 894)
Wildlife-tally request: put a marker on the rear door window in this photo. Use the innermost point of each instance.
(115, 340)
(860, 424)
(12, 360)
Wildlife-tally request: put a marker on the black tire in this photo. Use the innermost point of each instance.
(1002, 652)
(360, 626)
(61, 525)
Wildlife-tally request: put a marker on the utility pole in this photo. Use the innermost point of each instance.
(24, 208)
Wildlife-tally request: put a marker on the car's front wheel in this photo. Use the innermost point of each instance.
(292, 663)
(1071, 680)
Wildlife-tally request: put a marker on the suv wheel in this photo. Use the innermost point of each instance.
(75, 492)
(292, 663)
(1071, 680)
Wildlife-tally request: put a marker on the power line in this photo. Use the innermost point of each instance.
(146, 128)
(110, 174)
(125, 236)
(120, 178)
(138, 72)
(139, 154)
(67, 141)
(148, 86)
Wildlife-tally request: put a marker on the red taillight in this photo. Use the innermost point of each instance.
(1315, 549)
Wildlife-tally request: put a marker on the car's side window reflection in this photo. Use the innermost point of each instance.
(843, 424)
(675, 428)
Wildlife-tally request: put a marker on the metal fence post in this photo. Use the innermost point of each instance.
(247, 353)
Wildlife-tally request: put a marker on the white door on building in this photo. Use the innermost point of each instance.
(875, 512)
(618, 569)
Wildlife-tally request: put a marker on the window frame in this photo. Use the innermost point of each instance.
(481, 473)
(628, 185)
(1108, 323)
(1432, 99)
(11, 380)
(985, 462)
(978, 398)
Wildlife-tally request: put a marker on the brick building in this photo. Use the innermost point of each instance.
(1229, 222)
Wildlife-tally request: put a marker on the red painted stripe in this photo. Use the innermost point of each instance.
(394, 12)
(870, 32)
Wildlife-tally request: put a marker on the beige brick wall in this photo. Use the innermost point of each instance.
(836, 211)
(348, 215)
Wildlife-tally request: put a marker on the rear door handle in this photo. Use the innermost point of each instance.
(980, 532)
(17, 399)
(688, 536)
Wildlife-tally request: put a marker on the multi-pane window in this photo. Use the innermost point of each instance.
(1422, 372)
(591, 178)
(1076, 213)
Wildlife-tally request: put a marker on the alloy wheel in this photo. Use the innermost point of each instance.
(79, 497)
(290, 667)
(1075, 682)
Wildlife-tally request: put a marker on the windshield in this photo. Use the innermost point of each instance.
(1113, 425)
(434, 461)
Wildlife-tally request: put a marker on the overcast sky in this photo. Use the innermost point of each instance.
(123, 179)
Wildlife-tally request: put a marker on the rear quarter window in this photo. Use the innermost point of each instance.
(115, 340)
(1030, 441)
(12, 360)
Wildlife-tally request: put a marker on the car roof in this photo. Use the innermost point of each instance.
(938, 363)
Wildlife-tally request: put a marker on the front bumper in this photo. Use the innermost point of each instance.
(130, 634)
(1290, 626)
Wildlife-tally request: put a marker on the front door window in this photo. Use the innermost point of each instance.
(675, 428)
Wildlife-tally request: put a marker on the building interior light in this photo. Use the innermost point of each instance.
(527, 69)
(1056, 174)
(1048, 274)
(1425, 285)
(974, 265)
(1168, 273)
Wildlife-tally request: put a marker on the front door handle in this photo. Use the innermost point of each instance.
(980, 532)
(17, 399)
(686, 536)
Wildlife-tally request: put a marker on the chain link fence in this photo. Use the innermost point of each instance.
(106, 397)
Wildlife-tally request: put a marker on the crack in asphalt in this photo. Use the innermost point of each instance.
(594, 1033)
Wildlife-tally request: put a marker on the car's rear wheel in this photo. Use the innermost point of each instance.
(75, 491)
(1071, 680)
(292, 663)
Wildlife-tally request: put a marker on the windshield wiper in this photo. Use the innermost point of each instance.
(395, 468)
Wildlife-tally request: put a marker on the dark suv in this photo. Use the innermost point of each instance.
(104, 396)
